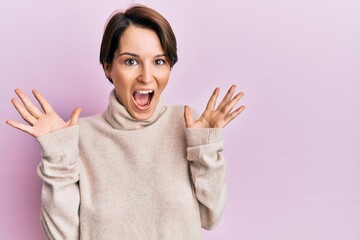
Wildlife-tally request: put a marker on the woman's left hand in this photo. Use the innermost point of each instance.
(219, 117)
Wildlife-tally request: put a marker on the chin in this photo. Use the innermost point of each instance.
(143, 114)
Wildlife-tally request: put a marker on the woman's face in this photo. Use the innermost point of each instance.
(139, 71)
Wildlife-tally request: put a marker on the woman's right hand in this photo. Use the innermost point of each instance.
(40, 123)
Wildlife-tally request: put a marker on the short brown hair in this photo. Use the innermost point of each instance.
(141, 16)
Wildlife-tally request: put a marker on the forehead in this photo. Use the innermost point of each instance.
(140, 40)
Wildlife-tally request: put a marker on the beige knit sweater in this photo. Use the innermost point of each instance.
(113, 177)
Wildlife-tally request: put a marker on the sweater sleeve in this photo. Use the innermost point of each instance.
(208, 168)
(59, 171)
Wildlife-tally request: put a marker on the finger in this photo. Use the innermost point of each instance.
(74, 117)
(233, 115)
(228, 107)
(32, 109)
(227, 97)
(212, 101)
(22, 127)
(24, 113)
(188, 117)
(43, 102)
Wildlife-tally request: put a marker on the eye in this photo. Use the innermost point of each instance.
(160, 61)
(131, 62)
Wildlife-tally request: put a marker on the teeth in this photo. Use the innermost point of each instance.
(144, 91)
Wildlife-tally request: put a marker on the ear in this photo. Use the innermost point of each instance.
(107, 69)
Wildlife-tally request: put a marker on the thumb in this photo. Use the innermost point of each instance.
(74, 117)
(189, 121)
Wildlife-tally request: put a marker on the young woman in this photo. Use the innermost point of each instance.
(140, 170)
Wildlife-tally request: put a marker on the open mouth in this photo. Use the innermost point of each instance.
(142, 98)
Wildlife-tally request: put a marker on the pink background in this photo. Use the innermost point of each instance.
(293, 154)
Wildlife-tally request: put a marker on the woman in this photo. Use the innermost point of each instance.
(140, 170)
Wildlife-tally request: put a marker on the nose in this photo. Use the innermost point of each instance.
(146, 75)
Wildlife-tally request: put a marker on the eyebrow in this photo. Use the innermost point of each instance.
(128, 53)
(138, 56)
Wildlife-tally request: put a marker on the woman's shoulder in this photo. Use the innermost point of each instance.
(175, 112)
(175, 109)
(178, 111)
(91, 122)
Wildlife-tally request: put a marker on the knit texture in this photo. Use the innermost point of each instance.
(114, 177)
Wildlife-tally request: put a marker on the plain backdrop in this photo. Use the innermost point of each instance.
(293, 155)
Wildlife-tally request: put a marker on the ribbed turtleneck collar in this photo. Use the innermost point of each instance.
(119, 118)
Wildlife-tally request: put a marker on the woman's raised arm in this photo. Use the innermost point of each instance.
(59, 168)
(204, 152)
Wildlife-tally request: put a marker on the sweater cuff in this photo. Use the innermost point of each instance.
(53, 143)
(202, 136)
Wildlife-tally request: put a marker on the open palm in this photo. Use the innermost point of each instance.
(39, 123)
(219, 117)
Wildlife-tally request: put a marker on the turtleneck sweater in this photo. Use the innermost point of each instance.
(115, 177)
